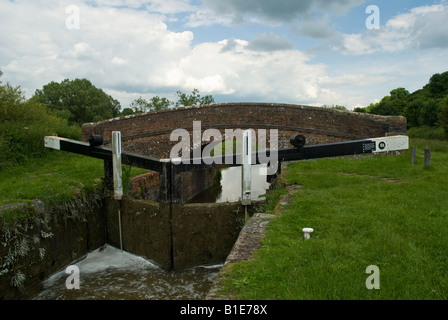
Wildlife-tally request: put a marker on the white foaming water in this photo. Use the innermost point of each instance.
(109, 273)
(111, 257)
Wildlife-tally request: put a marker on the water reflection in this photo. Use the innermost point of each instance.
(111, 274)
(230, 188)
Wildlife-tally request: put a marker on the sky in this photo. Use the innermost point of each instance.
(342, 52)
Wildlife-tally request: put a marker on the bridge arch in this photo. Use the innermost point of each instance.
(149, 133)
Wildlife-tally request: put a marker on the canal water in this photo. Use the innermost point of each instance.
(111, 274)
(230, 188)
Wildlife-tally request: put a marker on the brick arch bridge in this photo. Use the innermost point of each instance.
(149, 133)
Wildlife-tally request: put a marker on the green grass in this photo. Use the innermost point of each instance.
(360, 219)
(59, 175)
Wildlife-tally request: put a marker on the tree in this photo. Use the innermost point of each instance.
(360, 110)
(23, 124)
(392, 105)
(443, 115)
(412, 112)
(155, 103)
(438, 85)
(424, 107)
(126, 112)
(10, 98)
(193, 99)
(335, 107)
(78, 101)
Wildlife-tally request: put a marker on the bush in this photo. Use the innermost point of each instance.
(23, 126)
(426, 132)
(78, 101)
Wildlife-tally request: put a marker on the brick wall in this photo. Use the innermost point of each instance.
(145, 186)
(71, 240)
(149, 133)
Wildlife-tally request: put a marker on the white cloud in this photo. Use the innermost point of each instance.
(316, 29)
(116, 48)
(270, 42)
(269, 11)
(126, 48)
(118, 61)
(421, 28)
(170, 6)
(122, 49)
(207, 17)
(160, 6)
(271, 75)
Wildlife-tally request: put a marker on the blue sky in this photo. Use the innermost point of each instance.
(302, 52)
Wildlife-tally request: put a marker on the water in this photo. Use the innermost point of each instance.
(112, 274)
(230, 188)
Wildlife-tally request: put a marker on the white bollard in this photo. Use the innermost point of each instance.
(307, 232)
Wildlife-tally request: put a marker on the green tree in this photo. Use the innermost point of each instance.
(429, 113)
(412, 112)
(193, 99)
(393, 104)
(360, 110)
(335, 107)
(10, 97)
(126, 112)
(425, 106)
(23, 125)
(438, 85)
(443, 115)
(155, 103)
(78, 101)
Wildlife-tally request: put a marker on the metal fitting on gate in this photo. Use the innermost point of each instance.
(298, 141)
(95, 141)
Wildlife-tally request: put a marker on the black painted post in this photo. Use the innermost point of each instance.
(177, 185)
(427, 158)
(108, 175)
(165, 183)
(413, 155)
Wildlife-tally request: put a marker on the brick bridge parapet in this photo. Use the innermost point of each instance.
(149, 133)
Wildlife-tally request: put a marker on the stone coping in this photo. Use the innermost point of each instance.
(249, 241)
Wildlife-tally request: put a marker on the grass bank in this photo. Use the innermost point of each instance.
(58, 176)
(379, 211)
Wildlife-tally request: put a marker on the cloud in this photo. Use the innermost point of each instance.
(315, 29)
(269, 42)
(207, 17)
(114, 47)
(132, 51)
(159, 6)
(278, 11)
(170, 6)
(129, 50)
(230, 45)
(421, 28)
(236, 69)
